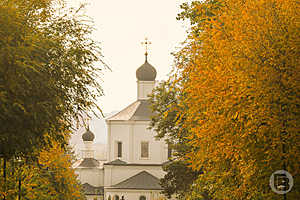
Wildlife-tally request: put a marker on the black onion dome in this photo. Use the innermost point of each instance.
(88, 136)
(146, 72)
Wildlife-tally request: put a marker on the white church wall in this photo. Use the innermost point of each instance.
(93, 176)
(119, 133)
(133, 194)
(107, 175)
(157, 152)
(131, 134)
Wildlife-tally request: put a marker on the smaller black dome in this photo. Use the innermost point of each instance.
(88, 136)
(146, 72)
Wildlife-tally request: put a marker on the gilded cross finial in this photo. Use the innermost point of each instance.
(146, 44)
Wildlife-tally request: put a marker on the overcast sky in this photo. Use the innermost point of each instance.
(121, 27)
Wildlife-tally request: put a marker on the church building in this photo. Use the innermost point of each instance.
(134, 157)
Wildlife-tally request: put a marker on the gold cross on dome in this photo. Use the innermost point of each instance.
(146, 44)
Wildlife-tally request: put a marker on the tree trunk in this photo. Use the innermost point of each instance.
(4, 175)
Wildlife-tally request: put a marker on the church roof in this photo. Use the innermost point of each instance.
(138, 111)
(88, 136)
(123, 163)
(92, 190)
(140, 181)
(116, 162)
(146, 72)
(89, 162)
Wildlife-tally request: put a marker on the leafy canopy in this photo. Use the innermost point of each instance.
(239, 73)
(51, 178)
(48, 75)
(165, 103)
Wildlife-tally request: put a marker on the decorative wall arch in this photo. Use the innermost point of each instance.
(116, 197)
(142, 198)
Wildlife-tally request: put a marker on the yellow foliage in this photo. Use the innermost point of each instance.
(50, 178)
(242, 86)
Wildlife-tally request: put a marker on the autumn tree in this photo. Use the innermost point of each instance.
(47, 73)
(165, 122)
(49, 178)
(239, 74)
(167, 101)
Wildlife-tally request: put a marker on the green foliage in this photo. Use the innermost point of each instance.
(48, 76)
(198, 13)
(178, 179)
(166, 102)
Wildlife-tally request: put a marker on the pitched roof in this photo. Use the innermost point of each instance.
(137, 111)
(89, 162)
(123, 163)
(116, 162)
(140, 181)
(92, 190)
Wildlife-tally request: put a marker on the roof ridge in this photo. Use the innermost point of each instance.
(89, 163)
(143, 112)
(144, 171)
(116, 162)
(109, 118)
(139, 181)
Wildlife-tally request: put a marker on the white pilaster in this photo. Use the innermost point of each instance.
(109, 157)
(131, 143)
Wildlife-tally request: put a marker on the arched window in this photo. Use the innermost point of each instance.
(119, 149)
(142, 198)
(116, 197)
(109, 197)
(144, 149)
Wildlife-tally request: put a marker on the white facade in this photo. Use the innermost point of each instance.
(93, 176)
(132, 134)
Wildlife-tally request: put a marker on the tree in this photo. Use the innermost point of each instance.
(178, 179)
(165, 103)
(241, 97)
(47, 73)
(50, 178)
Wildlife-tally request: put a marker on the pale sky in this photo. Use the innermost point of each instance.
(121, 27)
